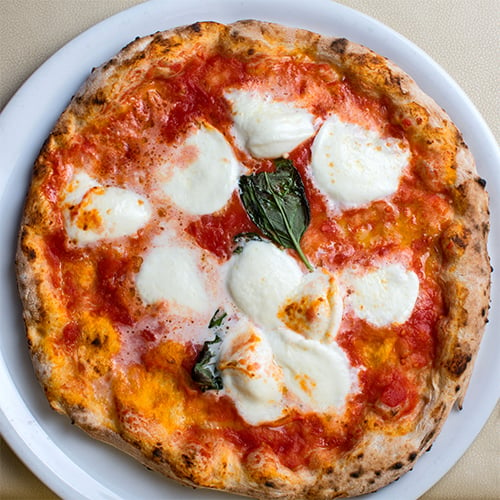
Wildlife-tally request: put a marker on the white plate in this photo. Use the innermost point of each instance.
(69, 462)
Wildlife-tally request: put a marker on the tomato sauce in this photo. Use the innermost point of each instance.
(216, 232)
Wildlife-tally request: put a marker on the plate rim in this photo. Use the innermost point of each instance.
(11, 435)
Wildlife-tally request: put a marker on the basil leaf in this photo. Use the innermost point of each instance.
(217, 318)
(276, 203)
(205, 372)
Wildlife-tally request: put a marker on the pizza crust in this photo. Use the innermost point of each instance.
(377, 459)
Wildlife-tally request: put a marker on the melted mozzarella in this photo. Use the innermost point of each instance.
(268, 128)
(354, 165)
(384, 295)
(317, 374)
(205, 173)
(93, 212)
(268, 285)
(315, 310)
(261, 279)
(299, 315)
(250, 376)
(170, 273)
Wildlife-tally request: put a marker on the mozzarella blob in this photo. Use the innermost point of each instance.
(171, 274)
(205, 173)
(261, 279)
(299, 315)
(353, 165)
(315, 309)
(318, 375)
(382, 296)
(268, 128)
(93, 212)
(250, 375)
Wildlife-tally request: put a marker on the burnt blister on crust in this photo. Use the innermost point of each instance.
(396, 466)
(357, 473)
(339, 45)
(481, 182)
(196, 27)
(458, 363)
(157, 454)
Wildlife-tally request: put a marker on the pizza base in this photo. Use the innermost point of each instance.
(378, 459)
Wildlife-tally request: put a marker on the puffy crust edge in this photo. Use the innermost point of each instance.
(377, 460)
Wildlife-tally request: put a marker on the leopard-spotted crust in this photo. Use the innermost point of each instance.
(377, 459)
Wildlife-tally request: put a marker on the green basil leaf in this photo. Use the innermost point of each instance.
(217, 318)
(276, 203)
(205, 372)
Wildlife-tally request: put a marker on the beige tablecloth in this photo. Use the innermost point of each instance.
(462, 36)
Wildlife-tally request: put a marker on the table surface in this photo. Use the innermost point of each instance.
(462, 36)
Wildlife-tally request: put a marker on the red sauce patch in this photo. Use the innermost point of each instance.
(216, 232)
(113, 297)
(70, 335)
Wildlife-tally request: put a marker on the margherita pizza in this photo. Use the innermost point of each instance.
(254, 258)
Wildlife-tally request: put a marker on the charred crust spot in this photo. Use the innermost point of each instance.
(329, 470)
(98, 98)
(339, 45)
(30, 254)
(188, 461)
(481, 182)
(196, 27)
(157, 39)
(131, 44)
(483, 312)
(412, 456)
(459, 240)
(109, 64)
(457, 365)
(457, 388)
(428, 449)
(138, 57)
(378, 472)
(371, 481)
(356, 474)
(96, 342)
(250, 52)
(397, 466)
(157, 453)
(270, 484)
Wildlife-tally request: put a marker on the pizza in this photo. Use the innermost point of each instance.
(254, 258)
